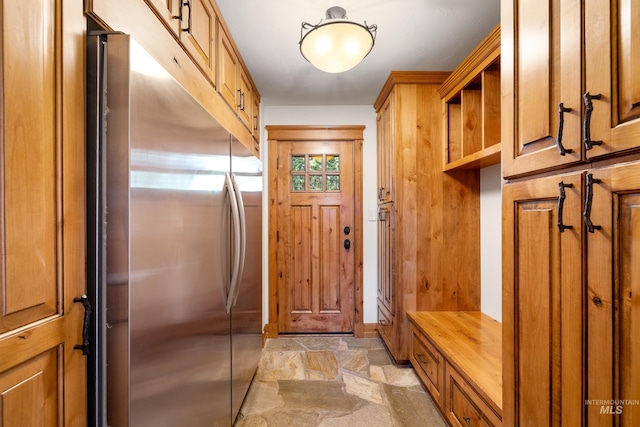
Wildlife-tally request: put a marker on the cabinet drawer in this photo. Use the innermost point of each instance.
(385, 325)
(428, 363)
(463, 406)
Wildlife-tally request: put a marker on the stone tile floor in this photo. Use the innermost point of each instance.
(324, 381)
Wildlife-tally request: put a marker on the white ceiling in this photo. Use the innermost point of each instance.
(433, 35)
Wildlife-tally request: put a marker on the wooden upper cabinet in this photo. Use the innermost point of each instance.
(169, 13)
(255, 127)
(234, 83)
(552, 120)
(612, 76)
(385, 125)
(198, 35)
(244, 98)
(193, 22)
(42, 140)
(228, 65)
(541, 71)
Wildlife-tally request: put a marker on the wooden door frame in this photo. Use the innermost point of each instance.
(277, 134)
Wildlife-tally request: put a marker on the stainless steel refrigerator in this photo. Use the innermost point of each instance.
(174, 244)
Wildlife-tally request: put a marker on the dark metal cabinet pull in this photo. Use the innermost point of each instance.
(588, 143)
(561, 187)
(587, 204)
(347, 244)
(561, 110)
(85, 325)
(467, 420)
(240, 100)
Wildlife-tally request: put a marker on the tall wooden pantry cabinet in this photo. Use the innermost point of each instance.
(42, 193)
(571, 212)
(424, 215)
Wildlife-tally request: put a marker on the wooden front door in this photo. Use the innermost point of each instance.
(316, 222)
(42, 376)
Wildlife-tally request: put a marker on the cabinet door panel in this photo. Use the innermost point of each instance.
(612, 68)
(385, 150)
(28, 165)
(613, 295)
(542, 304)
(198, 35)
(541, 68)
(42, 199)
(169, 13)
(228, 65)
(386, 287)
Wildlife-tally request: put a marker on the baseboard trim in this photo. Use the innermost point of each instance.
(371, 330)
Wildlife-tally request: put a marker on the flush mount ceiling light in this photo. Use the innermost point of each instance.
(336, 44)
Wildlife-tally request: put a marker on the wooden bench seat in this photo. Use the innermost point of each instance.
(458, 357)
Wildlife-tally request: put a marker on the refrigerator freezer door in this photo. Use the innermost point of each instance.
(246, 314)
(167, 250)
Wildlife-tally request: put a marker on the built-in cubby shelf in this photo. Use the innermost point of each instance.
(471, 108)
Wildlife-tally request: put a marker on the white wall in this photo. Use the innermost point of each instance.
(491, 242)
(335, 115)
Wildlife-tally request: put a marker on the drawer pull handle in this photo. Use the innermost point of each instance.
(587, 204)
(422, 359)
(561, 110)
(563, 195)
(383, 322)
(467, 420)
(588, 143)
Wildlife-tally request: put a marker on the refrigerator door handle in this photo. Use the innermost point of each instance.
(243, 236)
(236, 244)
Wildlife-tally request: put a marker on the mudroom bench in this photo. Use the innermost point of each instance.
(458, 357)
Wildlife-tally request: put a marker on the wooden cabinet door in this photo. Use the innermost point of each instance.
(613, 295)
(255, 127)
(198, 35)
(228, 65)
(542, 302)
(244, 98)
(386, 289)
(42, 377)
(541, 70)
(612, 76)
(385, 150)
(169, 13)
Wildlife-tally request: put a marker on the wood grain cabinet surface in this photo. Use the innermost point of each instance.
(42, 139)
(425, 218)
(570, 87)
(457, 356)
(571, 133)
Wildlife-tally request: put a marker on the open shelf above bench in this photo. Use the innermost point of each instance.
(471, 108)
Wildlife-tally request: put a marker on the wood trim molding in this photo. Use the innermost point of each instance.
(408, 77)
(314, 133)
(486, 53)
(309, 133)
